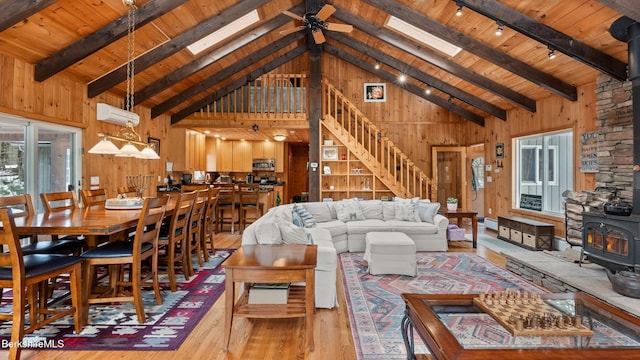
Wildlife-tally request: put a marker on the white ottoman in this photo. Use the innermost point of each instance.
(390, 253)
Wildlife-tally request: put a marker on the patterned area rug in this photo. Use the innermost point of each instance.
(116, 327)
(376, 308)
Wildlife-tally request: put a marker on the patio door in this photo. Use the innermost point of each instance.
(449, 172)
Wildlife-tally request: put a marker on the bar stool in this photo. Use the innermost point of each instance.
(227, 205)
(249, 203)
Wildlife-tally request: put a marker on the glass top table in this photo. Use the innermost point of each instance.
(453, 326)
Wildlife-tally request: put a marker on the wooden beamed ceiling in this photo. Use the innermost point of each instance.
(85, 40)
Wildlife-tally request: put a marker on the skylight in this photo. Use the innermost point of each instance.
(422, 36)
(226, 31)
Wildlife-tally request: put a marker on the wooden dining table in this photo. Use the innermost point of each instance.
(93, 222)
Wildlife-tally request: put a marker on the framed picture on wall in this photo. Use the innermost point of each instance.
(154, 144)
(375, 92)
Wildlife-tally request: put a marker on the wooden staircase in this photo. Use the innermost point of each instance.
(376, 152)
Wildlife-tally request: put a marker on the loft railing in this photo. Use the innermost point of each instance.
(372, 148)
(281, 96)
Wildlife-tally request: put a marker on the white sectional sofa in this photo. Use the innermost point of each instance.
(341, 226)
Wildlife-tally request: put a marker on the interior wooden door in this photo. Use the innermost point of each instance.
(449, 172)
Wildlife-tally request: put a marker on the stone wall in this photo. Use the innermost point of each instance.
(615, 135)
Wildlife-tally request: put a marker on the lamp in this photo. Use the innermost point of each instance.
(127, 133)
(279, 137)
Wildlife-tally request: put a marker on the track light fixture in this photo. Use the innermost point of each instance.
(552, 53)
(377, 66)
(500, 28)
(428, 90)
(402, 78)
(450, 100)
(459, 11)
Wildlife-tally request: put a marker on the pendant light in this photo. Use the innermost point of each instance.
(127, 134)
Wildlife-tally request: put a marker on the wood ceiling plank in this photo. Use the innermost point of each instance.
(174, 45)
(15, 11)
(629, 8)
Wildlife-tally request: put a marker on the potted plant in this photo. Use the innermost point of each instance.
(452, 204)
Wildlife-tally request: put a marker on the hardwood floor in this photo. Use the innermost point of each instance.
(256, 338)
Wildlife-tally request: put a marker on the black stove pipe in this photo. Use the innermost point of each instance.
(628, 30)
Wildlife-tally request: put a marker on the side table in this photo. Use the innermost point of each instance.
(286, 263)
(461, 214)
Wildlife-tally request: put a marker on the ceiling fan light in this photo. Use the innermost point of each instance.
(279, 137)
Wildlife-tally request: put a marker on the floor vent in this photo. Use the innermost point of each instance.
(491, 224)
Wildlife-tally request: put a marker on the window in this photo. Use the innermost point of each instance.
(37, 157)
(539, 180)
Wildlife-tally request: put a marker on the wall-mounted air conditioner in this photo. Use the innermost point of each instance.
(114, 115)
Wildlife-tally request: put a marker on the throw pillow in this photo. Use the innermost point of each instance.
(292, 234)
(407, 209)
(427, 210)
(268, 233)
(319, 210)
(348, 210)
(307, 218)
(295, 218)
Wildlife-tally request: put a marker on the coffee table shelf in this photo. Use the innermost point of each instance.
(295, 306)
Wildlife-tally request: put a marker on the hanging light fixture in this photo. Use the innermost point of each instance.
(127, 134)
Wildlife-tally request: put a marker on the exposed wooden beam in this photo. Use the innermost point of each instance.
(210, 57)
(174, 45)
(15, 11)
(437, 60)
(548, 36)
(419, 75)
(228, 72)
(416, 90)
(478, 48)
(187, 111)
(104, 36)
(628, 8)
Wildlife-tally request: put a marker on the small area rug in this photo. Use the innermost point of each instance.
(115, 326)
(376, 308)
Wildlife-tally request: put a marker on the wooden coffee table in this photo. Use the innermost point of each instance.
(423, 315)
(286, 263)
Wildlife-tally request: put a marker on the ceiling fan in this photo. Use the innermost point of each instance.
(316, 23)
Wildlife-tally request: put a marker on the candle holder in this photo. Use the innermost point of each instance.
(139, 182)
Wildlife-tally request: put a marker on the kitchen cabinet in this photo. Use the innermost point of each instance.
(187, 150)
(237, 156)
(242, 156)
(224, 155)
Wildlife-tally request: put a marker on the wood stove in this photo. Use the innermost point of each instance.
(612, 241)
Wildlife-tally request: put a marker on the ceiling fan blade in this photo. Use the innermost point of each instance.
(346, 28)
(318, 36)
(325, 12)
(290, 14)
(292, 30)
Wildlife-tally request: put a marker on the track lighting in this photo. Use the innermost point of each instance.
(450, 100)
(377, 65)
(499, 28)
(402, 78)
(459, 11)
(428, 90)
(552, 53)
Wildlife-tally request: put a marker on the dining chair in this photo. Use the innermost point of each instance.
(92, 197)
(209, 224)
(193, 187)
(173, 240)
(249, 203)
(195, 228)
(227, 205)
(19, 272)
(128, 191)
(62, 201)
(22, 206)
(120, 253)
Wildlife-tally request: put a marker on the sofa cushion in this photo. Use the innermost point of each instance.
(348, 210)
(268, 233)
(407, 209)
(427, 210)
(365, 226)
(371, 209)
(307, 218)
(388, 210)
(335, 227)
(319, 210)
(410, 227)
(292, 234)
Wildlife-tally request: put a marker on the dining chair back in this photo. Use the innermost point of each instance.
(209, 224)
(195, 229)
(144, 246)
(19, 272)
(128, 191)
(173, 241)
(249, 204)
(193, 187)
(59, 201)
(92, 197)
(226, 207)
